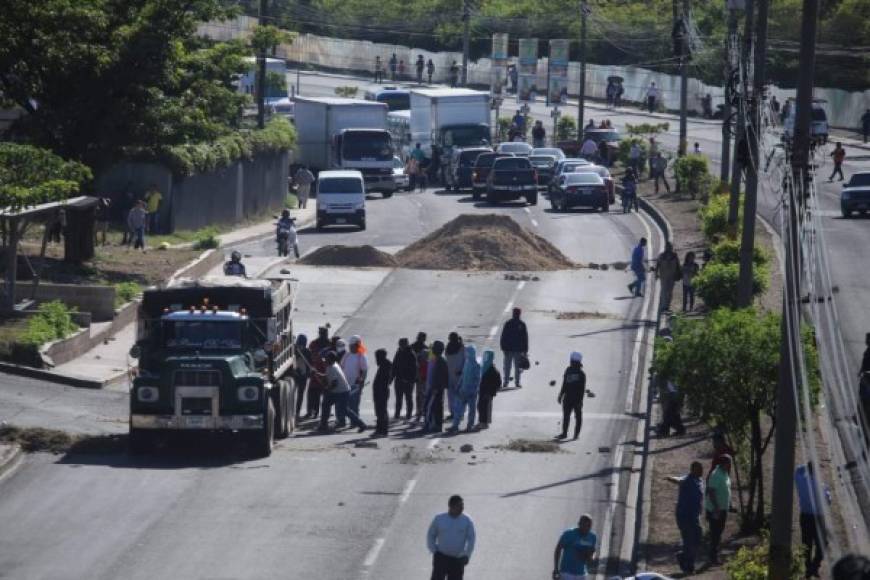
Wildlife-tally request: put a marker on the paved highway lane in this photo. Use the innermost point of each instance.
(322, 508)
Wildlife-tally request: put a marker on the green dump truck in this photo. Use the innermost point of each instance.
(215, 355)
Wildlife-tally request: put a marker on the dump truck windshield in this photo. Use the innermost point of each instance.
(203, 334)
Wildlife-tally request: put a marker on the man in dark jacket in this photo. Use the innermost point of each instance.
(690, 501)
(317, 384)
(514, 344)
(381, 391)
(421, 351)
(572, 394)
(405, 375)
(437, 383)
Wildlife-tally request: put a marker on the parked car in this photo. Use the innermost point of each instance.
(403, 182)
(554, 151)
(544, 165)
(480, 172)
(818, 121)
(580, 189)
(604, 174)
(461, 165)
(512, 178)
(565, 166)
(518, 148)
(341, 198)
(855, 195)
(610, 138)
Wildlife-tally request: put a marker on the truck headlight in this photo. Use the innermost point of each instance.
(248, 394)
(147, 394)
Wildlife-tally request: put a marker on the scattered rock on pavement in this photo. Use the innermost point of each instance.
(531, 446)
(583, 315)
(467, 448)
(352, 256)
(483, 242)
(366, 444)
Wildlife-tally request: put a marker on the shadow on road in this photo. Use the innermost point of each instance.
(601, 473)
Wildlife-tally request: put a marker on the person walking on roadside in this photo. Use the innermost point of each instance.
(690, 270)
(421, 352)
(652, 97)
(572, 394)
(394, 64)
(381, 391)
(153, 197)
(490, 383)
(454, 354)
(316, 383)
(514, 344)
(690, 501)
(658, 170)
(468, 390)
(811, 510)
(430, 70)
(437, 381)
(721, 449)
(589, 149)
(450, 539)
(454, 74)
(302, 371)
(574, 551)
(412, 168)
(839, 155)
(136, 220)
(404, 375)
(420, 65)
(337, 393)
(668, 272)
(401, 69)
(716, 504)
(101, 224)
(539, 134)
(355, 369)
(303, 178)
(379, 70)
(652, 150)
(638, 268)
(865, 124)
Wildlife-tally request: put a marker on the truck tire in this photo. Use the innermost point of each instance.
(291, 407)
(388, 194)
(263, 440)
(475, 195)
(319, 225)
(362, 225)
(139, 441)
(284, 411)
(532, 198)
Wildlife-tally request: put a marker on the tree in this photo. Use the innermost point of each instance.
(95, 76)
(30, 176)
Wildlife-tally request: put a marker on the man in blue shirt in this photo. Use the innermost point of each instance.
(451, 540)
(574, 551)
(690, 500)
(810, 504)
(638, 267)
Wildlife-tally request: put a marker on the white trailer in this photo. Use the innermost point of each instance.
(449, 118)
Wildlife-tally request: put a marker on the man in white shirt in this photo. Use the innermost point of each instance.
(652, 97)
(355, 369)
(336, 393)
(589, 150)
(451, 540)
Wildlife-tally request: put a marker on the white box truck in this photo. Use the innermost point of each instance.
(340, 133)
(449, 118)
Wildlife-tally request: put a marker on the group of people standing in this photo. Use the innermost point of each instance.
(397, 69)
(669, 270)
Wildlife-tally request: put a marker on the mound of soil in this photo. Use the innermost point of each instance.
(354, 256)
(483, 242)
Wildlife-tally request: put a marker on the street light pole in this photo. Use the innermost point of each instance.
(725, 169)
(581, 96)
(466, 16)
(683, 33)
(261, 72)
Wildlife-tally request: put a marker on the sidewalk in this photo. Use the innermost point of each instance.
(108, 364)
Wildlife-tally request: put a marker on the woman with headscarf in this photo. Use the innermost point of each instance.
(490, 383)
(466, 393)
(302, 373)
(571, 395)
(454, 354)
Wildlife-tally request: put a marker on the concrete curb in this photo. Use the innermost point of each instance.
(9, 456)
(50, 376)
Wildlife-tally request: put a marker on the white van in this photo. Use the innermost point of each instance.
(818, 121)
(341, 198)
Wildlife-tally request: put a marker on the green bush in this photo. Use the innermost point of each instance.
(206, 239)
(291, 201)
(716, 284)
(125, 292)
(566, 128)
(646, 128)
(728, 252)
(504, 126)
(714, 218)
(52, 321)
(625, 148)
(693, 174)
(348, 91)
(750, 562)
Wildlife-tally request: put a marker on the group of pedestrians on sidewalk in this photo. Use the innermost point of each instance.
(397, 69)
(669, 270)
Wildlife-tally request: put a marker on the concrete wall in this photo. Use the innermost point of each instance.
(844, 108)
(62, 351)
(226, 196)
(98, 300)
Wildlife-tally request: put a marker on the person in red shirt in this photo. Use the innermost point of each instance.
(839, 154)
(720, 450)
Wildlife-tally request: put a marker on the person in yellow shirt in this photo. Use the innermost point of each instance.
(153, 197)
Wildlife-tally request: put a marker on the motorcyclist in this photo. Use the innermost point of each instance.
(235, 267)
(286, 234)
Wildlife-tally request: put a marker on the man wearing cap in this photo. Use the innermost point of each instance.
(717, 503)
(355, 369)
(571, 395)
(514, 344)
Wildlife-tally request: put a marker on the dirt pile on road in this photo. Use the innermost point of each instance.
(483, 242)
(350, 256)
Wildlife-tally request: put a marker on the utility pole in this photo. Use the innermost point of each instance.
(682, 31)
(261, 72)
(750, 203)
(740, 135)
(466, 17)
(581, 96)
(725, 168)
(786, 415)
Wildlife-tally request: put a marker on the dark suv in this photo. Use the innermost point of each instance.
(480, 172)
(512, 179)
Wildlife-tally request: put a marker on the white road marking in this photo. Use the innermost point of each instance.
(406, 493)
(521, 285)
(641, 329)
(534, 222)
(527, 210)
(433, 443)
(492, 332)
(372, 556)
(508, 307)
